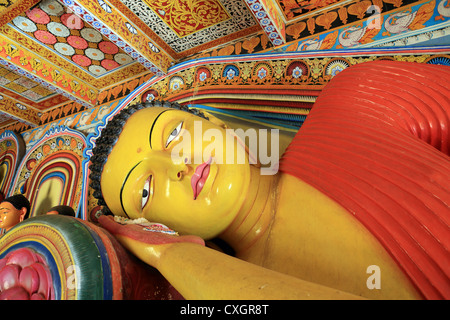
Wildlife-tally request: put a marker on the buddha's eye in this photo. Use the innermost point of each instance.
(174, 134)
(146, 192)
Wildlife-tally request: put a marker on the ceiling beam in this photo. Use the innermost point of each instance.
(18, 111)
(26, 63)
(105, 18)
(267, 13)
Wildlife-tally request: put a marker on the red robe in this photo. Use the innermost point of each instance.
(377, 142)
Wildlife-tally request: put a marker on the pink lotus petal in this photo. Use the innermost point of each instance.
(2, 263)
(45, 280)
(9, 276)
(40, 259)
(22, 257)
(15, 293)
(37, 296)
(29, 279)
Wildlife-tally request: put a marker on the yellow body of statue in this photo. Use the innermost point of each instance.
(317, 251)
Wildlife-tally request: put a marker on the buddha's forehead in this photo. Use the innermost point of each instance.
(7, 205)
(147, 116)
(133, 147)
(133, 143)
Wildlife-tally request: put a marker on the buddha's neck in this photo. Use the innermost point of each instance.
(255, 216)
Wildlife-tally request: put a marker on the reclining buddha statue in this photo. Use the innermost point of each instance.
(359, 207)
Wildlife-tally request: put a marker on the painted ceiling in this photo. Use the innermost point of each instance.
(66, 54)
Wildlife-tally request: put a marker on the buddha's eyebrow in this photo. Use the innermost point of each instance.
(153, 125)
(123, 185)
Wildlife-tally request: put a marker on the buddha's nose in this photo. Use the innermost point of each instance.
(174, 167)
(179, 169)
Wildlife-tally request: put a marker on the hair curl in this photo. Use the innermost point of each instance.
(109, 136)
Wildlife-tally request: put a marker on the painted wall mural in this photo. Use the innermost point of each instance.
(54, 171)
(12, 150)
(308, 70)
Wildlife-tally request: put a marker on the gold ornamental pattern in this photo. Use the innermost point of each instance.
(185, 17)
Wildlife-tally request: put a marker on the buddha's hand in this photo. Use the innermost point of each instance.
(144, 242)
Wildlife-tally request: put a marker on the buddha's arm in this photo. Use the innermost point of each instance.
(198, 272)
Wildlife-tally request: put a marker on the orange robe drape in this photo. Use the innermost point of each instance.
(377, 142)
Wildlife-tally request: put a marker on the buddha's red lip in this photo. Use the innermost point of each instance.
(199, 177)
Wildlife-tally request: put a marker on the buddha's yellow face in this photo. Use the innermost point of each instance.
(168, 167)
